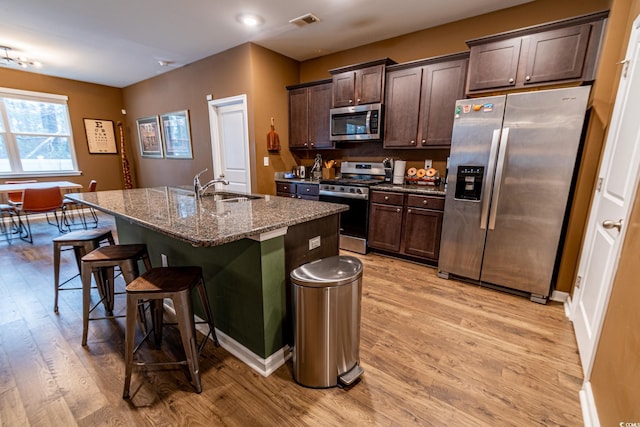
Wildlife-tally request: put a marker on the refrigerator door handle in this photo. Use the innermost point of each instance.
(498, 179)
(491, 170)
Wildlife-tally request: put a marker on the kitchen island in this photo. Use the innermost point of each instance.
(246, 245)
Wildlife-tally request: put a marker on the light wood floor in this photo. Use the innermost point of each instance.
(434, 352)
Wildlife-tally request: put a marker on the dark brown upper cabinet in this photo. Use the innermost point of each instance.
(554, 53)
(420, 101)
(309, 106)
(359, 84)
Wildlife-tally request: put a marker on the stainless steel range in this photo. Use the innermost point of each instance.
(352, 188)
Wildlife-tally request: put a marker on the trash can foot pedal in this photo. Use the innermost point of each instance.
(349, 377)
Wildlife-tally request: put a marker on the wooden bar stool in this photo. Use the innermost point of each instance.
(102, 262)
(155, 285)
(82, 242)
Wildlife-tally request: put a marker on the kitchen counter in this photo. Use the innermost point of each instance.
(430, 190)
(246, 248)
(175, 212)
(298, 180)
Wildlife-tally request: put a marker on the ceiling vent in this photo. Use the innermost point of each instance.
(303, 20)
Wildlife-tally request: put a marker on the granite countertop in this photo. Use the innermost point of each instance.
(298, 180)
(175, 212)
(430, 190)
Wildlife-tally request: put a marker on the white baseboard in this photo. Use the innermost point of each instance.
(588, 404)
(559, 296)
(264, 367)
(568, 308)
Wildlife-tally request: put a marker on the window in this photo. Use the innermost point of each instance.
(35, 134)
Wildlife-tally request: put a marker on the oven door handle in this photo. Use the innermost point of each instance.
(343, 195)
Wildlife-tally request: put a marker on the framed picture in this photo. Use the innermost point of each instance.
(176, 135)
(149, 136)
(101, 136)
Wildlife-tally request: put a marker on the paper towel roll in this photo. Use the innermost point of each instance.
(398, 171)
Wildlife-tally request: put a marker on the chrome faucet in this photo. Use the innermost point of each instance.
(199, 189)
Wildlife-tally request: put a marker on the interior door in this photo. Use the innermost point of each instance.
(617, 184)
(230, 143)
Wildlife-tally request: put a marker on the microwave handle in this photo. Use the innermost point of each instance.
(368, 121)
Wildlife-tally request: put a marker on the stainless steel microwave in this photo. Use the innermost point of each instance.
(356, 123)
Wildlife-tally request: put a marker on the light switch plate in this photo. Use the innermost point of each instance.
(314, 243)
(266, 161)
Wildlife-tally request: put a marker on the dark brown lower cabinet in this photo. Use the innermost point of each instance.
(385, 226)
(422, 233)
(406, 224)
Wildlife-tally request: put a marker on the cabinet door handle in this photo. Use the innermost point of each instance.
(351, 101)
(285, 187)
(413, 142)
(308, 189)
(358, 101)
(424, 142)
(527, 78)
(511, 80)
(306, 144)
(398, 210)
(408, 210)
(313, 144)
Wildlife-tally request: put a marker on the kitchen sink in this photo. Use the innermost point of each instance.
(230, 197)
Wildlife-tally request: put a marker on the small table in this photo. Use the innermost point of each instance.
(64, 185)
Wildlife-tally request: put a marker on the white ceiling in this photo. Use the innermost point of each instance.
(120, 42)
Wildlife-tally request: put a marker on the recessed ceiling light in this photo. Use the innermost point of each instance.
(250, 20)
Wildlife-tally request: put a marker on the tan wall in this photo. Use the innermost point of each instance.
(271, 73)
(248, 69)
(86, 100)
(615, 379)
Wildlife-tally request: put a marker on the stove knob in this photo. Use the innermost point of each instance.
(332, 188)
(341, 188)
(352, 190)
(359, 190)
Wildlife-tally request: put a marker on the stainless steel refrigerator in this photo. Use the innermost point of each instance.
(511, 169)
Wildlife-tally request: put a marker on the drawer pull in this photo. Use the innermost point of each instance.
(398, 210)
(308, 189)
(286, 188)
(386, 197)
(424, 202)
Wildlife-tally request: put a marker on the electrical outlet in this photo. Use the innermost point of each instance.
(314, 243)
(266, 161)
(165, 260)
(428, 164)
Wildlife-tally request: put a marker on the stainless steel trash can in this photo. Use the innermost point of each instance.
(326, 328)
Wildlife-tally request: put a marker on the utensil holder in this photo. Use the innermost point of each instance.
(328, 173)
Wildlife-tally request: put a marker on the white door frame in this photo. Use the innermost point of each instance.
(216, 144)
(588, 335)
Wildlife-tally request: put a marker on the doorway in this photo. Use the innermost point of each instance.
(230, 143)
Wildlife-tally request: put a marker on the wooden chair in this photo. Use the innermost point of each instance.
(39, 200)
(69, 206)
